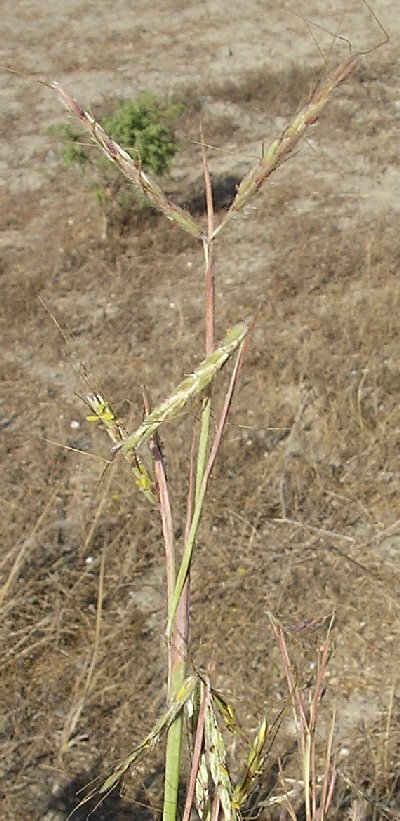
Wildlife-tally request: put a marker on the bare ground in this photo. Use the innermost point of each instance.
(304, 515)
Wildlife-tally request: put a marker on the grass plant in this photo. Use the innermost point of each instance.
(213, 786)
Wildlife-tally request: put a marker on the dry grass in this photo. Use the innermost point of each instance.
(315, 437)
(341, 477)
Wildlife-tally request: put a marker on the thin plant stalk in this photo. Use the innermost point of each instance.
(197, 747)
(315, 807)
(178, 647)
(178, 642)
(189, 544)
(209, 312)
(209, 256)
(178, 621)
(166, 520)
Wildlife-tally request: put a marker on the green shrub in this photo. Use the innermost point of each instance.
(73, 152)
(144, 128)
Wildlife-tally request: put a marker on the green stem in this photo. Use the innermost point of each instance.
(203, 444)
(180, 628)
(178, 608)
(186, 559)
(174, 748)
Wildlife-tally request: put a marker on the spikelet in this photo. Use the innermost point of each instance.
(281, 148)
(187, 390)
(253, 766)
(216, 754)
(153, 738)
(103, 413)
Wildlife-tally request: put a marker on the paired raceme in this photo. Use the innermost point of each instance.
(103, 413)
(277, 153)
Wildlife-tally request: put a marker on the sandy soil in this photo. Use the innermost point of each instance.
(304, 514)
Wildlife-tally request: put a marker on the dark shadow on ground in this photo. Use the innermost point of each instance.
(224, 191)
(113, 808)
